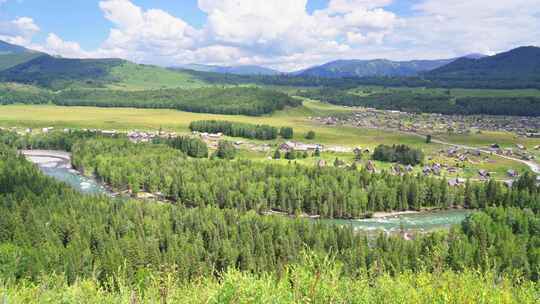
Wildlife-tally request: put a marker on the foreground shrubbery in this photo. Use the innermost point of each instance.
(309, 283)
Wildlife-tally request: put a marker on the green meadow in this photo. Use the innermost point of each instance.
(123, 119)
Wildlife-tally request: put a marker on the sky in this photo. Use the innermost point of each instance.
(282, 34)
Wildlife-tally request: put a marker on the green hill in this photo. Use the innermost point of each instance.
(368, 68)
(520, 65)
(60, 73)
(130, 76)
(57, 73)
(12, 55)
(20, 65)
(246, 70)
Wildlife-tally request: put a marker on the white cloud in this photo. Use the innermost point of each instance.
(56, 46)
(283, 34)
(456, 27)
(345, 6)
(19, 31)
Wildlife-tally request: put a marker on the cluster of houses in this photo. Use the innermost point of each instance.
(461, 154)
(434, 123)
(303, 147)
(436, 169)
(520, 152)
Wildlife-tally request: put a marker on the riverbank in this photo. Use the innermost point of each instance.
(48, 158)
(377, 215)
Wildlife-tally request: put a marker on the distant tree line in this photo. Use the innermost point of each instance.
(402, 154)
(193, 147)
(232, 101)
(235, 129)
(428, 81)
(409, 101)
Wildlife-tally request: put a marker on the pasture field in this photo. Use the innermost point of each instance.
(123, 119)
(484, 139)
(145, 77)
(128, 118)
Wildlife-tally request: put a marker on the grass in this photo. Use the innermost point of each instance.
(484, 139)
(11, 60)
(128, 118)
(144, 77)
(37, 116)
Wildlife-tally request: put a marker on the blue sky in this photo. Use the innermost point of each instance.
(285, 34)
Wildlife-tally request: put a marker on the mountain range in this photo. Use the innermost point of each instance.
(235, 70)
(12, 55)
(18, 64)
(376, 67)
(519, 63)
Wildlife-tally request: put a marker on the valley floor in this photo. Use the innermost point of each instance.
(301, 119)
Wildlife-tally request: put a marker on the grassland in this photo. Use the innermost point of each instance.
(37, 116)
(484, 139)
(129, 118)
(143, 77)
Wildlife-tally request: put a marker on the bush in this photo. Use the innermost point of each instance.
(226, 150)
(286, 132)
(399, 153)
(310, 135)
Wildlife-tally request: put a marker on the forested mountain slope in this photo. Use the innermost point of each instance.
(60, 73)
(378, 67)
(520, 64)
(234, 70)
(12, 55)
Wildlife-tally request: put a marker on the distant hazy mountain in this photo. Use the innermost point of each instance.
(236, 70)
(376, 67)
(520, 63)
(12, 55)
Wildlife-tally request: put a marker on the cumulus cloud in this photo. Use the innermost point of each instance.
(19, 31)
(456, 27)
(283, 34)
(56, 46)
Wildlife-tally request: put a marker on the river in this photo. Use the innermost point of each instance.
(413, 222)
(57, 164)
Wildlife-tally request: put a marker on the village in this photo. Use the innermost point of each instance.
(451, 163)
(426, 123)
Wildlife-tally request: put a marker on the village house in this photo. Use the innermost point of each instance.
(370, 166)
(484, 173)
(298, 146)
(512, 173)
(109, 133)
(454, 182)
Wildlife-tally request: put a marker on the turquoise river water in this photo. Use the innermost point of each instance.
(57, 164)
